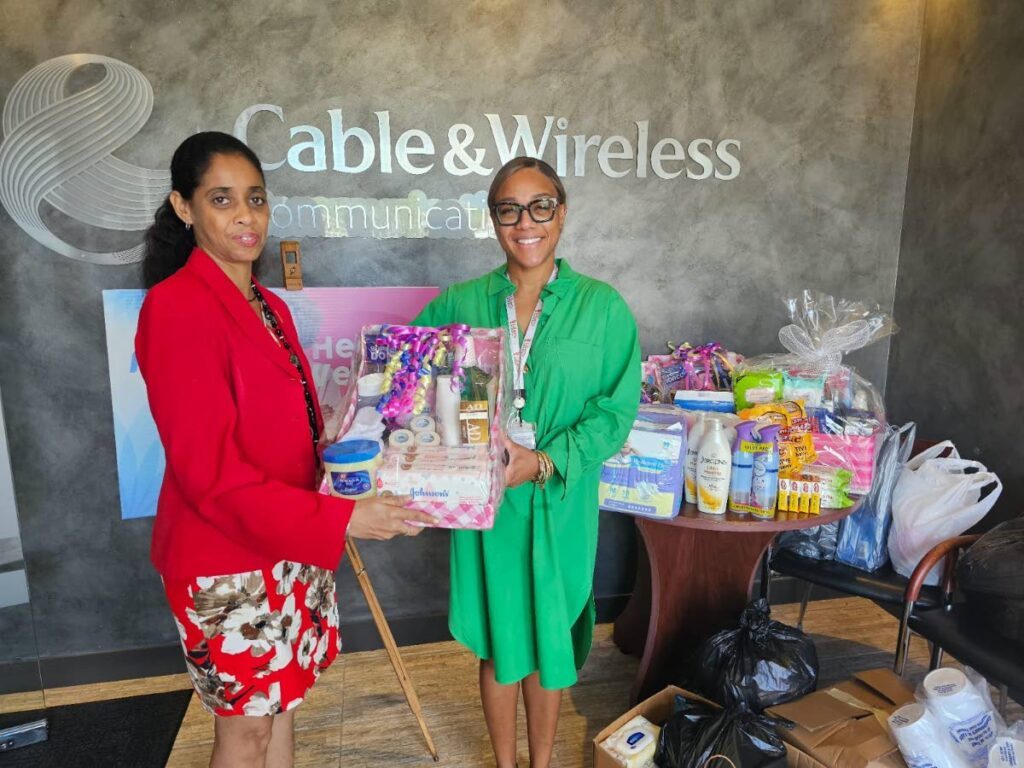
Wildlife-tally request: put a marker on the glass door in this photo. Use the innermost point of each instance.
(22, 702)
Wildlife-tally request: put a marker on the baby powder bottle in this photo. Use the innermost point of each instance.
(742, 468)
(714, 465)
(764, 489)
(692, 447)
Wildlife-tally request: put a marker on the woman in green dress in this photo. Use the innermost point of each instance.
(522, 593)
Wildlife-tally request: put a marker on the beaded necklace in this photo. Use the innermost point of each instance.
(271, 320)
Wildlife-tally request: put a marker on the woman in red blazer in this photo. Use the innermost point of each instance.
(246, 547)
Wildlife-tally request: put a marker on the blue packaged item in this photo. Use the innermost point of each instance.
(742, 467)
(646, 476)
(351, 468)
(863, 536)
(705, 400)
(764, 491)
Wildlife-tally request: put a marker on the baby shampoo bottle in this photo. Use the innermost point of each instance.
(714, 466)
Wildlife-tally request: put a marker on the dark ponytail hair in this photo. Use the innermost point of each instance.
(168, 242)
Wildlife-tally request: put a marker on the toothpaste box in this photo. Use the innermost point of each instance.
(646, 477)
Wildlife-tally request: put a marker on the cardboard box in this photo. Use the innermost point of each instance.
(657, 709)
(844, 725)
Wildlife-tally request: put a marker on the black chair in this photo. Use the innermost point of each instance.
(883, 587)
(955, 627)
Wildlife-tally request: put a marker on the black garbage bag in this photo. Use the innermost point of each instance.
(699, 735)
(759, 665)
(991, 576)
(817, 543)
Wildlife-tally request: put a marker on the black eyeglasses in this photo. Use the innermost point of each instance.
(541, 210)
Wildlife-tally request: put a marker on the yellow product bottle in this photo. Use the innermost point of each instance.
(714, 469)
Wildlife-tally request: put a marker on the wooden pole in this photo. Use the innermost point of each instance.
(389, 642)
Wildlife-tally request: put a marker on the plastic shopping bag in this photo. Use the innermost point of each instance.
(936, 499)
(864, 534)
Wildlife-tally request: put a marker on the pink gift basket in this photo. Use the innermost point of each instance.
(434, 401)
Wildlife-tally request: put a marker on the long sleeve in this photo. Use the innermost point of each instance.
(607, 418)
(186, 369)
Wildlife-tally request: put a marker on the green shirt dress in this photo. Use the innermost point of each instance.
(522, 592)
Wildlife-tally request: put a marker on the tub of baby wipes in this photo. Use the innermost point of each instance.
(351, 468)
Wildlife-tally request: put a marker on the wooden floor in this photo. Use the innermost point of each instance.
(357, 716)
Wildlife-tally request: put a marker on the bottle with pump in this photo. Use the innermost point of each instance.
(693, 439)
(714, 466)
(765, 486)
(742, 467)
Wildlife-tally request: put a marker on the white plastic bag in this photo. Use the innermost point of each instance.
(936, 499)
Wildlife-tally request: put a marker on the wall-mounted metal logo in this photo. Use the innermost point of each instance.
(58, 154)
(58, 148)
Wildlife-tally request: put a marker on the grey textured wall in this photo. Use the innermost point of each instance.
(956, 368)
(820, 95)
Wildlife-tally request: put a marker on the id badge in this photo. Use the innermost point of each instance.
(522, 433)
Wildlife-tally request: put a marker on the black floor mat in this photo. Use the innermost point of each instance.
(136, 732)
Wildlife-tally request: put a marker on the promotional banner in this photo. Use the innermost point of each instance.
(328, 321)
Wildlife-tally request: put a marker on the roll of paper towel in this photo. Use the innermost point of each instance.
(921, 739)
(964, 712)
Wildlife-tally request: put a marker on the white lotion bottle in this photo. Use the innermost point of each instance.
(446, 412)
(714, 469)
(692, 447)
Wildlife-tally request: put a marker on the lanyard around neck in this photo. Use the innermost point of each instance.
(521, 351)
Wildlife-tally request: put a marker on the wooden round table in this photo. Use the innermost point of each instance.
(694, 577)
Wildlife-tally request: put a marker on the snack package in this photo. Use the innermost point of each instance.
(796, 448)
(440, 418)
(844, 413)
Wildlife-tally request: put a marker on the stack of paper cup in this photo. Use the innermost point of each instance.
(1007, 752)
(446, 411)
(369, 389)
(919, 737)
(964, 712)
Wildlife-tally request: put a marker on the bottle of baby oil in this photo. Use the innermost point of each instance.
(714, 467)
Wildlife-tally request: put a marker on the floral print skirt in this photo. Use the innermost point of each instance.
(256, 642)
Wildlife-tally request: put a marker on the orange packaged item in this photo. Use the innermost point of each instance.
(795, 445)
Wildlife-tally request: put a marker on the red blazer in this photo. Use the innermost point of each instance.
(238, 491)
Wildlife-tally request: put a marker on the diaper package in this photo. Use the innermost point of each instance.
(646, 477)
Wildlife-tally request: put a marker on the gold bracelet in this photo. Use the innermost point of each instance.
(545, 469)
